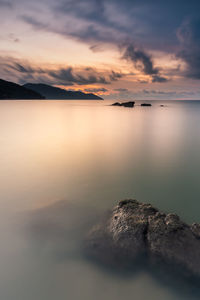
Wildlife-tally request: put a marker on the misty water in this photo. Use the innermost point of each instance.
(63, 164)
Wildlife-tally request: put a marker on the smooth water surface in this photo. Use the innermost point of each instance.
(62, 164)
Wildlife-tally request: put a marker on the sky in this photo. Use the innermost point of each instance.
(130, 49)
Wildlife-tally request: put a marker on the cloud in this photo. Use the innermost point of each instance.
(68, 75)
(19, 67)
(140, 59)
(96, 90)
(147, 24)
(153, 94)
(168, 94)
(189, 37)
(61, 76)
(99, 22)
(115, 75)
(10, 38)
(143, 62)
(96, 48)
(151, 24)
(5, 4)
(143, 81)
(31, 20)
(156, 92)
(158, 78)
(121, 90)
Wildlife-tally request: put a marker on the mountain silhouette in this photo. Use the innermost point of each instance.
(50, 92)
(10, 90)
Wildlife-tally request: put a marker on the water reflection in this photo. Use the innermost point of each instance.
(61, 227)
(93, 155)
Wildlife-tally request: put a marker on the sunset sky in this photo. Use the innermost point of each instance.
(130, 49)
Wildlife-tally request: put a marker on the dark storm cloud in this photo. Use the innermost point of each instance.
(147, 24)
(63, 76)
(22, 68)
(115, 76)
(97, 16)
(152, 23)
(96, 48)
(189, 37)
(34, 22)
(159, 79)
(5, 4)
(68, 75)
(143, 62)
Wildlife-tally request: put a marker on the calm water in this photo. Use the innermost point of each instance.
(62, 164)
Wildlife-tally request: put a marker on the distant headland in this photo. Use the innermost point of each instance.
(13, 91)
(51, 92)
(10, 90)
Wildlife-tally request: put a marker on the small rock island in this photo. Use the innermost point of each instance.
(134, 231)
(125, 104)
(146, 104)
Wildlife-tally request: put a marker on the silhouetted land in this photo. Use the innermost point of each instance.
(10, 90)
(50, 92)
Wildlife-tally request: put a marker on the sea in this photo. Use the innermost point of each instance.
(63, 165)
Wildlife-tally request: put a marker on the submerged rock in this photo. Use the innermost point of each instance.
(136, 230)
(125, 104)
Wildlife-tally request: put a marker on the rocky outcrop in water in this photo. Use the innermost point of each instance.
(146, 104)
(136, 230)
(125, 104)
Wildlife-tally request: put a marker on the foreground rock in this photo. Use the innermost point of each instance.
(125, 104)
(136, 230)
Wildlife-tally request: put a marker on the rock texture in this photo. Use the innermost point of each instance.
(136, 230)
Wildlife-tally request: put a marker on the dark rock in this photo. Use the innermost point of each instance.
(196, 229)
(128, 104)
(136, 230)
(125, 104)
(146, 104)
(116, 104)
